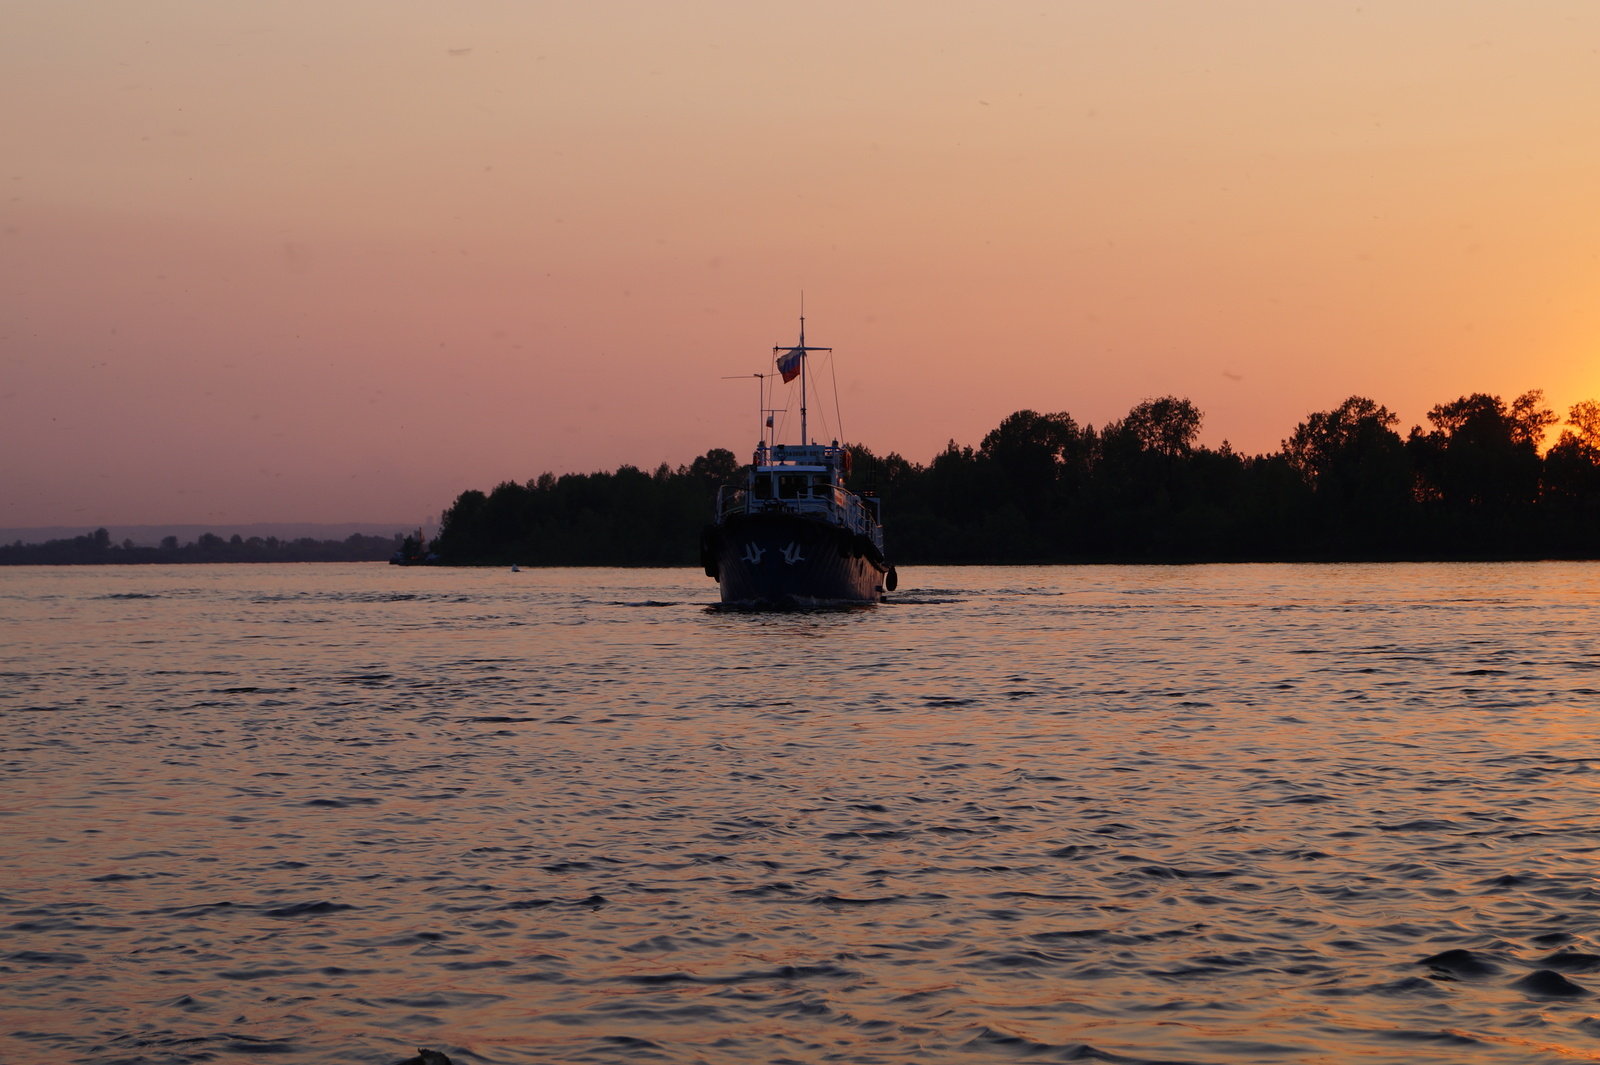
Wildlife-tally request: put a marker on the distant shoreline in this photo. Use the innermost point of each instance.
(1440, 560)
(148, 535)
(99, 549)
(1043, 490)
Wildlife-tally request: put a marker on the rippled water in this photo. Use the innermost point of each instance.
(330, 813)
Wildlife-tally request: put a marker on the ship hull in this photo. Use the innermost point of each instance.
(784, 560)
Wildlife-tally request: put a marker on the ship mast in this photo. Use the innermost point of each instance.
(805, 435)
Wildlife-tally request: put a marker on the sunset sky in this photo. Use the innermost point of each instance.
(338, 261)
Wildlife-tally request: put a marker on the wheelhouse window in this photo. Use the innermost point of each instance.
(761, 486)
(791, 485)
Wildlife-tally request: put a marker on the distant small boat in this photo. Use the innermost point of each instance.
(515, 568)
(414, 552)
(794, 535)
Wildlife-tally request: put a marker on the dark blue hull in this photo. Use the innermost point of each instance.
(783, 560)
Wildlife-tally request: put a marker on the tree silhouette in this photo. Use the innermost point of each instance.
(1571, 490)
(1167, 426)
(1359, 474)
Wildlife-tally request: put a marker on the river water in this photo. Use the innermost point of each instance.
(330, 813)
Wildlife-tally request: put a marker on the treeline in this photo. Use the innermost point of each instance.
(626, 518)
(1345, 485)
(96, 548)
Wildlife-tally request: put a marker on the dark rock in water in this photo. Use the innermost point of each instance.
(1551, 984)
(1460, 963)
(427, 1057)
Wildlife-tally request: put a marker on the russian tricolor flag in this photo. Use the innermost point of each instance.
(789, 363)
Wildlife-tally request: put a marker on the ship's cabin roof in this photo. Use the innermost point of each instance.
(816, 453)
(799, 456)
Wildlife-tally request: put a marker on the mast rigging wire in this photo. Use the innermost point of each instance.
(834, 375)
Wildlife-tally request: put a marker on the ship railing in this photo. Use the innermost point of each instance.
(731, 500)
(838, 506)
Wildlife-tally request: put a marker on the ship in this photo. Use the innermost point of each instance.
(414, 552)
(793, 535)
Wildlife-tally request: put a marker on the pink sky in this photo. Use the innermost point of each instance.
(338, 262)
